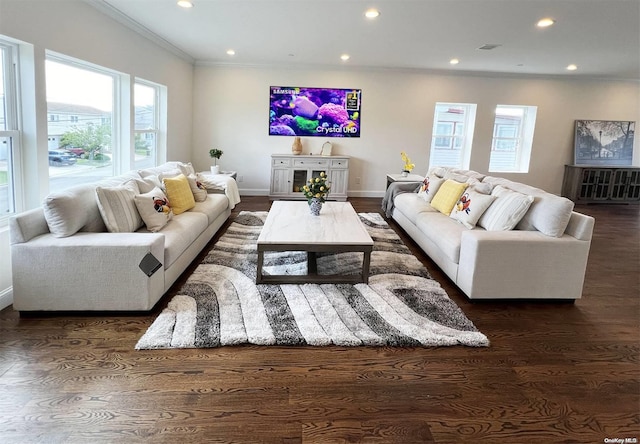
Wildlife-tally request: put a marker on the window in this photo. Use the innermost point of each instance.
(453, 126)
(512, 138)
(9, 130)
(146, 110)
(80, 104)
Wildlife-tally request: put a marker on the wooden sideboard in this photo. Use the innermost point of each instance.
(289, 173)
(601, 184)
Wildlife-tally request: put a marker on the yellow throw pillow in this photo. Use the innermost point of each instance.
(447, 196)
(179, 193)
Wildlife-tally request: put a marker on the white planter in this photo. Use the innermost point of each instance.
(215, 169)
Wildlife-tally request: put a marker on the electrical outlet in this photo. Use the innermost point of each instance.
(240, 178)
(357, 181)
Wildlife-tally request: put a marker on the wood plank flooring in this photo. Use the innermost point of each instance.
(554, 373)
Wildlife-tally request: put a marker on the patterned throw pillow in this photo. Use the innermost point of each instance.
(154, 209)
(429, 187)
(197, 188)
(470, 207)
(179, 193)
(506, 210)
(118, 208)
(448, 195)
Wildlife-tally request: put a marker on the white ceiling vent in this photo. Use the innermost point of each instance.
(489, 46)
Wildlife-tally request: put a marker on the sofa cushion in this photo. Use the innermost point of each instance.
(411, 205)
(180, 233)
(470, 207)
(179, 193)
(213, 206)
(506, 210)
(118, 208)
(444, 232)
(148, 183)
(430, 186)
(447, 196)
(154, 209)
(548, 213)
(72, 210)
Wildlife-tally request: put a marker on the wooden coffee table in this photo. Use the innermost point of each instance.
(290, 226)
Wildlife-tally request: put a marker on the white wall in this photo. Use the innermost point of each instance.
(76, 29)
(231, 112)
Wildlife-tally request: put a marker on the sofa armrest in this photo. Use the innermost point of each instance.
(521, 264)
(87, 271)
(25, 226)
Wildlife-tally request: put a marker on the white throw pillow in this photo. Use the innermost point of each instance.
(186, 168)
(198, 190)
(154, 209)
(117, 207)
(148, 183)
(470, 207)
(506, 210)
(430, 186)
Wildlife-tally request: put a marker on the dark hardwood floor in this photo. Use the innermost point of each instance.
(554, 373)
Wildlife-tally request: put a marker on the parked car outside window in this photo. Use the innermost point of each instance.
(61, 157)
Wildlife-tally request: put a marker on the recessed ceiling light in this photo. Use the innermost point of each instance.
(231, 52)
(572, 67)
(545, 22)
(454, 61)
(185, 3)
(345, 57)
(371, 13)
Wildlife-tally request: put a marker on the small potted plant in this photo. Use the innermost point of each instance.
(215, 154)
(316, 192)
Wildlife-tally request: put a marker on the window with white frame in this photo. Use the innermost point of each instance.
(9, 131)
(81, 107)
(512, 138)
(453, 126)
(146, 97)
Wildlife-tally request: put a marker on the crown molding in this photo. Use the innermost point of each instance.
(108, 10)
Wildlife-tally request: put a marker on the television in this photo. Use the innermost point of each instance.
(309, 112)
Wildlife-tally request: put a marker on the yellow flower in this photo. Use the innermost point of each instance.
(317, 179)
(408, 166)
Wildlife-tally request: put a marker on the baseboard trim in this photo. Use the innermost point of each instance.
(6, 298)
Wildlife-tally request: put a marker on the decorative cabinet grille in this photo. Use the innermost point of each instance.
(590, 184)
(289, 173)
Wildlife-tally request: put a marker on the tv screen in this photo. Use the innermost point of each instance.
(324, 112)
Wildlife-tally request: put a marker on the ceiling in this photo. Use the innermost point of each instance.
(601, 37)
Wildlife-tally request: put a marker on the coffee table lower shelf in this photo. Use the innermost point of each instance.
(312, 276)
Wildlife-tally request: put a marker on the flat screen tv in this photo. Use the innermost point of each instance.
(308, 112)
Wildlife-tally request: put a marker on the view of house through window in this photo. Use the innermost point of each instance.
(146, 98)
(80, 104)
(512, 138)
(9, 135)
(453, 126)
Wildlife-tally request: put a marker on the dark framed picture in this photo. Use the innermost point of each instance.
(604, 142)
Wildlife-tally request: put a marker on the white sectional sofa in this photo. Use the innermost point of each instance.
(64, 258)
(544, 256)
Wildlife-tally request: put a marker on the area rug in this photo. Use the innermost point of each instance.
(220, 304)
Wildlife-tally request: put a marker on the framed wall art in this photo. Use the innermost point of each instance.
(604, 142)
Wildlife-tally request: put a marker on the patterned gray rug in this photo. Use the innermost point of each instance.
(220, 303)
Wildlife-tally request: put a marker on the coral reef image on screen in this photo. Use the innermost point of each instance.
(321, 112)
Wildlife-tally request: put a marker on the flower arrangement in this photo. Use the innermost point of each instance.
(317, 187)
(215, 154)
(408, 166)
